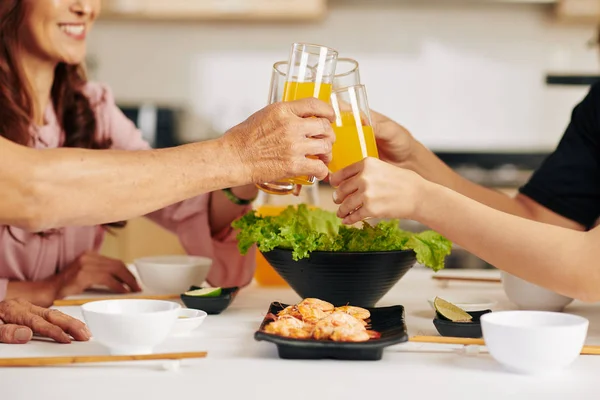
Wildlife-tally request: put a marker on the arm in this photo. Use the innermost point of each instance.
(562, 192)
(560, 259)
(44, 189)
(39, 293)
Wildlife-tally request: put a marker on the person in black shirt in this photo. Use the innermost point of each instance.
(545, 234)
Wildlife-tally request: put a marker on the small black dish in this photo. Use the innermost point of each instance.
(211, 305)
(471, 329)
(388, 321)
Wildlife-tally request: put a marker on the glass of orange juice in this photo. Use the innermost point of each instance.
(346, 73)
(311, 70)
(355, 139)
(269, 205)
(278, 78)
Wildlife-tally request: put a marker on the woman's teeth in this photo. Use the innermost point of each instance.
(75, 30)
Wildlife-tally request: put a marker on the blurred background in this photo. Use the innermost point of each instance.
(488, 85)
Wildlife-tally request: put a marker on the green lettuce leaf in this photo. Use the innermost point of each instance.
(304, 230)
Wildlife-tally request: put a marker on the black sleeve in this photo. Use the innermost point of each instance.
(568, 181)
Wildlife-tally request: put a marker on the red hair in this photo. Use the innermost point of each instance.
(71, 105)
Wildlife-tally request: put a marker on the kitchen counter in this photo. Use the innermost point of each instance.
(239, 367)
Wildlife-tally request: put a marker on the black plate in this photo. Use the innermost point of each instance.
(212, 305)
(472, 329)
(389, 321)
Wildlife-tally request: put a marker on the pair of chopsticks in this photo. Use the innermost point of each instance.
(67, 360)
(586, 350)
(79, 302)
(465, 279)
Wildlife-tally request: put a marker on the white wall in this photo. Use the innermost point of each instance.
(460, 77)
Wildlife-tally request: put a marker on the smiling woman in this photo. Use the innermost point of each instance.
(47, 103)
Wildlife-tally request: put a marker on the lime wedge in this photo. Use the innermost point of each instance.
(451, 311)
(205, 292)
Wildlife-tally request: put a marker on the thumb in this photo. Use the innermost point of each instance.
(15, 334)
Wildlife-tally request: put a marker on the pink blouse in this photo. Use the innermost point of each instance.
(38, 258)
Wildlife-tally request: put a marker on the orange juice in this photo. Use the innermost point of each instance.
(265, 275)
(302, 90)
(351, 146)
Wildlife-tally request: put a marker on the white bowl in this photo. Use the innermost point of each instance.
(188, 319)
(130, 326)
(172, 274)
(528, 296)
(467, 303)
(534, 342)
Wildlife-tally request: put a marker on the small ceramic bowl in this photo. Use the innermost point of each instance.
(188, 320)
(130, 326)
(460, 329)
(172, 274)
(534, 342)
(468, 303)
(528, 296)
(211, 305)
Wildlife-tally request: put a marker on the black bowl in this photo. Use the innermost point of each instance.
(211, 305)
(358, 279)
(471, 329)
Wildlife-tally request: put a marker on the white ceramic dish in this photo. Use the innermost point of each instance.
(188, 320)
(527, 296)
(467, 303)
(534, 342)
(172, 274)
(130, 326)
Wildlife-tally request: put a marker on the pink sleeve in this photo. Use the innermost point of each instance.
(187, 219)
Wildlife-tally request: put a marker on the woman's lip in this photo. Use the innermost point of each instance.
(75, 31)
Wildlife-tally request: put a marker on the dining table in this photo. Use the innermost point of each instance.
(239, 367)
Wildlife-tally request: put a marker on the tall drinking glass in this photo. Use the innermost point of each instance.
(355, 139)
(311, 69)
(346, 73)
(278, 79)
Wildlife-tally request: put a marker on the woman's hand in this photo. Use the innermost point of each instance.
(275, 142)
(394, 143)
(90, 269)
(372, 188)
(20, 319)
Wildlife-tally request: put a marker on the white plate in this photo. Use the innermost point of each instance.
(468, 303)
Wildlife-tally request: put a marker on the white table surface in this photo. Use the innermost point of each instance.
(239, 367)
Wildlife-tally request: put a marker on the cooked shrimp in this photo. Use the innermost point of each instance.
(356, 312)
(343, 334)
(290, 310)
(316, 303)
(310, 314)
(325, 328)
(289, 326)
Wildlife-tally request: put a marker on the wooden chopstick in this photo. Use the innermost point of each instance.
(46, 361)
(466, 279)
(78, 302)
(586, 350)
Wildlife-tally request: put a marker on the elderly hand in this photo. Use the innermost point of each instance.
(19, 319)
(372, 188)
(275, 143)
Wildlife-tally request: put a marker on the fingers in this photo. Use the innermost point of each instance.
(122, 273)
(315, 168)
(317, 147)
(311, 107)
(15, 334)
(345, 189)
(40, 326)
(359, 215)
(318, 128)
(68, 324)
(111, 282)
(350, 204)
(340, 176)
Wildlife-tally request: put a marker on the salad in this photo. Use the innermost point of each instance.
(303, 230)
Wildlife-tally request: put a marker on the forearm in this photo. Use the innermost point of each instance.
(44, 189)
(428, 165)
(560, 259)
(223, 211)
(42, 293)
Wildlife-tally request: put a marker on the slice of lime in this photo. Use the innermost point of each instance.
(451, 311)
(205, 292)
